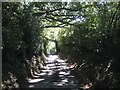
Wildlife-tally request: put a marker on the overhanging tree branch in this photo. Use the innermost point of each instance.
(68, 9)
(51, 26)
(61, 15)
(60, 20)
(50, 11)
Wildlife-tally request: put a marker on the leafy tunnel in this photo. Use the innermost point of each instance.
(85, 34)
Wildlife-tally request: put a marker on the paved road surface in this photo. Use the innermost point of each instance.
(55, 74)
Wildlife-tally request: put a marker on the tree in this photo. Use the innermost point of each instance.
(21, 37)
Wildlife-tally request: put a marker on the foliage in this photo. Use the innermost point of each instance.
(92, 45)
(21, 39)
(89, 36)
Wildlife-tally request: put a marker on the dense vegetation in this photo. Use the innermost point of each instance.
(95, 44)
(89, 38)
(21, 39)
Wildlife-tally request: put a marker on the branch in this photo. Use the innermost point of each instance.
(59, 20)
(63, 15)
(114, 14)
(48, 12)
(51, 26)
(69, 9)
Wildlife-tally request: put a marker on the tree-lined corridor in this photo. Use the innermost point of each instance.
(60, 45)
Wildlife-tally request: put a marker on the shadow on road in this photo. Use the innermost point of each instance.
(55, 74)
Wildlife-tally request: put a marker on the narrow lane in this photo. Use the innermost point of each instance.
(55, 74)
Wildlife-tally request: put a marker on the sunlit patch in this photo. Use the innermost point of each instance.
(36, 76)
(31, 86)
(60, 66)
(45, 70)
(50, 73)
(54, 67)
(49, 65)
(65, 80)
(71, 76)
(59, 69)
(51, 57)
(41, 74)
(61, 61)
(35, 80)
(46, 67)
(35, 72)
(60, 83)
(62, 73)
(63, 67)
(87, 86)
(66, 68)
(67, 73)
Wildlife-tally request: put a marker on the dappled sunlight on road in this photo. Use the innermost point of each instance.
(35, 80)
(55, 74)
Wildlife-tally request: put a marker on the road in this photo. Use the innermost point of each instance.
(55, 74)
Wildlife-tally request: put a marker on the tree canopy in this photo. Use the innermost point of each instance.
(87, 33)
